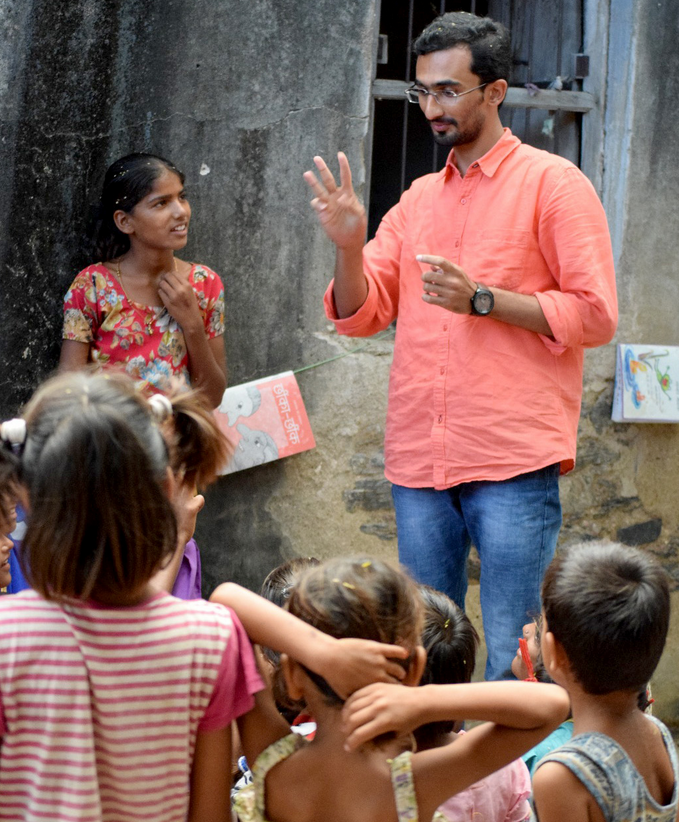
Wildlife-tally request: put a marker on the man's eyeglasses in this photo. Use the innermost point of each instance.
(444, 97)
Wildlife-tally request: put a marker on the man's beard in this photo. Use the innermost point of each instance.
(458, 137)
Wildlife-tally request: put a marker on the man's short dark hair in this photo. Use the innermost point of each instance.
(609, 607)
(487, 41)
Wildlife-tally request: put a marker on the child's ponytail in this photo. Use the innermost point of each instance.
(198, 448)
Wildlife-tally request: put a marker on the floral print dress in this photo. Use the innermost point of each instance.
(145, 340)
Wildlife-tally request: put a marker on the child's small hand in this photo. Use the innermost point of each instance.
(187, 505)
(379, 708)
(359, 662)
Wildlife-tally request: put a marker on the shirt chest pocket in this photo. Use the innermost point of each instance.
(497, 257)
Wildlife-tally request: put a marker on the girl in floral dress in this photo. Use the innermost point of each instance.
(140, 308)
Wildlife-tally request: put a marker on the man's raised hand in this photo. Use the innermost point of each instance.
(339, 210)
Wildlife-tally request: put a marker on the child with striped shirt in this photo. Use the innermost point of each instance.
(116, 699)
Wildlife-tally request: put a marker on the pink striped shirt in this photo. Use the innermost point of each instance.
(99, 707)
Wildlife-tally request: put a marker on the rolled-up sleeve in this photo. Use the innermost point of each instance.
(575, 241)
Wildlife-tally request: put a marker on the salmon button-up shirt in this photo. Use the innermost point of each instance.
(473, 398)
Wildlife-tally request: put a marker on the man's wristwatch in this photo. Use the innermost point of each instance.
(482, 301)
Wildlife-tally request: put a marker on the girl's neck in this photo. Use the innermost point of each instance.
(150, 263)
(330, 735)
(127, 600)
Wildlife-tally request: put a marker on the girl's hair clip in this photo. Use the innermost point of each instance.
(161, 407)
(13, 432)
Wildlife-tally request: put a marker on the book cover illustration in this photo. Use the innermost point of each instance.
(646, 384)
(265, 420)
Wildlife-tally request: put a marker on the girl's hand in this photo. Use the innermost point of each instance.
(180, 300)
(354, 663)
(380, 708)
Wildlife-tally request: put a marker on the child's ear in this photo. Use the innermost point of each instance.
(293, 676)
(554, 657)
(416, 669)
(123, 222)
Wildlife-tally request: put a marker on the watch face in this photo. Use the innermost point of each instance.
(483, 302)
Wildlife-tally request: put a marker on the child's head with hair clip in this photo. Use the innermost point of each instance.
(361, 598)
(451, 642)
(98, 471)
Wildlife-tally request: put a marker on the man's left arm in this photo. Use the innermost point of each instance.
(449, 286)
(581, 311)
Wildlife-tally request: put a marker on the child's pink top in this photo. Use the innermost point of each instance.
(100, 707)
(500, 797)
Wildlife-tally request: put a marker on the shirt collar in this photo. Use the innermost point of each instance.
(491, 160)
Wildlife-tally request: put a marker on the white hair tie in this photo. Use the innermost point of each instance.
(161, 407)
(13, 431)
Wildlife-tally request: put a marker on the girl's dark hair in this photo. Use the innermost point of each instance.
(127, 181)
(364, 598)
(451, 642)
(94, 465)
(609, 607)
(278, 586)
(279, 583)
(9, 481)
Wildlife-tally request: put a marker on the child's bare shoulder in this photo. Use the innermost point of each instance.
(558, 794)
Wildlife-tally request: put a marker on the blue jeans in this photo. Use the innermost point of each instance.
(514, 525)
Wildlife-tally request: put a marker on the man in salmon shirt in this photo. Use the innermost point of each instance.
(500, 272)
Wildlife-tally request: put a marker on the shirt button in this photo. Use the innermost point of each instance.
(440, 419)
(475, 165)
(457, 243)
(443, 370)
(463, 201)
(445, 327)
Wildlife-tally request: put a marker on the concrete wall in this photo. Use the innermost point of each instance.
(251, 91)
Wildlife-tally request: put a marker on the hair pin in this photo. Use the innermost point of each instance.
(13, 432)
(446, 623)
(349, 585)
(366, 564)
(161, 407)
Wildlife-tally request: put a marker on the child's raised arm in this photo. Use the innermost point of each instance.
(347, 664)
(520, 714)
